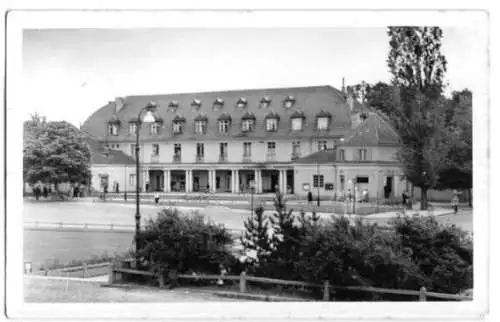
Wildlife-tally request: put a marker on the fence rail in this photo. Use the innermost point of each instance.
(422, 294)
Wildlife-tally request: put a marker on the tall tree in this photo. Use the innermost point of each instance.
(54, 152)
(418, 66)
(457, 173)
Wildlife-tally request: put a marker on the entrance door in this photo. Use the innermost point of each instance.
(388, 187)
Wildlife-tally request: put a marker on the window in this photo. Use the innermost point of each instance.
(362, 154)
(342, 155)
(242, 102)
(117, 146)
(247, 125)
(132, 128)
(296, 147)
(177, 151)
(113, 129)
(131, 179)
(200, 127)
(322, 123)
(288, 102)
(177, 127)
(200, 150)
(272, 125)
(322, 145)
(271, 147)
(247, 149)
(362, 179)
(223, 126)
(156, 149)
(318, 181)
(265, 102)
(223, 149)
(154, 128)
(297, 124)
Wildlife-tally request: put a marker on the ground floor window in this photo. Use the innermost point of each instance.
(318, 181)
(132, 179)
(362, 179)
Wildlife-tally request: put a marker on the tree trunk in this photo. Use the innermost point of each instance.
(469, 192)
(412, 195)
(423, 198)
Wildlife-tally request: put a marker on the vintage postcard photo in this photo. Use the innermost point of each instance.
(245, 160)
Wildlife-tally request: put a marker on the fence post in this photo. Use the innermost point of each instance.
(85, 270)
(422, 296)
(111, 276)
(326, 291)
(243, 282)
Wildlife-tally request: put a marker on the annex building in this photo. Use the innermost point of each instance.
(293, 140)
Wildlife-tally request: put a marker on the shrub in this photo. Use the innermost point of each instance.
(184, 244)
(443, 253)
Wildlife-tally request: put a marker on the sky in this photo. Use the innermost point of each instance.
(68, 74)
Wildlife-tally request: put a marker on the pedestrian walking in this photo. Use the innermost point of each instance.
(454, 201)
(404, 197)
(157, 197)
(36, 191)
(309, 197)
(45, 192)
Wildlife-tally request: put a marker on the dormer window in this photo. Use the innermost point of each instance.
(323, 121)
(154, 128)
(248, 122)
(247, 125)
(297, 120)
(113, 125)
(178, 124)
(173, 105)
(272, 122)
(242, 102)
(224, 122)
(265, 102)
(218, 104)
(200, 124)
(289, 102)
(132, 128)
(196, 104)
(112, 129)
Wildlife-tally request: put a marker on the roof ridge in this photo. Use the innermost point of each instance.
(271, 89)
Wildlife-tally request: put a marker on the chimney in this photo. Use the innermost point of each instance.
(343, 86)
(119, 103)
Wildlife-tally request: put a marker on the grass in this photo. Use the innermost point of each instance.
(63, 291)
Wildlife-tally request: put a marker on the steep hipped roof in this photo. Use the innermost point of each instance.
(325, 156)
(103, 156)
(374, 131)
(310, 100)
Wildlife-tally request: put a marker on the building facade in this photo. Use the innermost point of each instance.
(294, 140)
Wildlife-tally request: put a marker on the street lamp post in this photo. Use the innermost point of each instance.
(317, 170)
(252, 190)
(149, 109)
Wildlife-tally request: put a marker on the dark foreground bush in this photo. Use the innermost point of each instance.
(172, 241)
(408, 254)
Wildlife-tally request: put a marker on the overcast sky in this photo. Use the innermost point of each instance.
(68, 74)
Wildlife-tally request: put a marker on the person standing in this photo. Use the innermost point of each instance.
(309, 197)
(454, 201)
(157, 197)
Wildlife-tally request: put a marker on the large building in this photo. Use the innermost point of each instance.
(293, 139)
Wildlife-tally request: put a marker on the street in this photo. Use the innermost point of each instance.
(62, 245)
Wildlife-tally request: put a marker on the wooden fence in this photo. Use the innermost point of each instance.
(422, 294)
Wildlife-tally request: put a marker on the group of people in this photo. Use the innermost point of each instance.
(38, 192)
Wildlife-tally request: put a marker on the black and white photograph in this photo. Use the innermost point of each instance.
(238, 158)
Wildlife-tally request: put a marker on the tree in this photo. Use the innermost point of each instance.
(418, 68)
(54, 152)
(256, 236)
(382, 97)
(457, 173)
